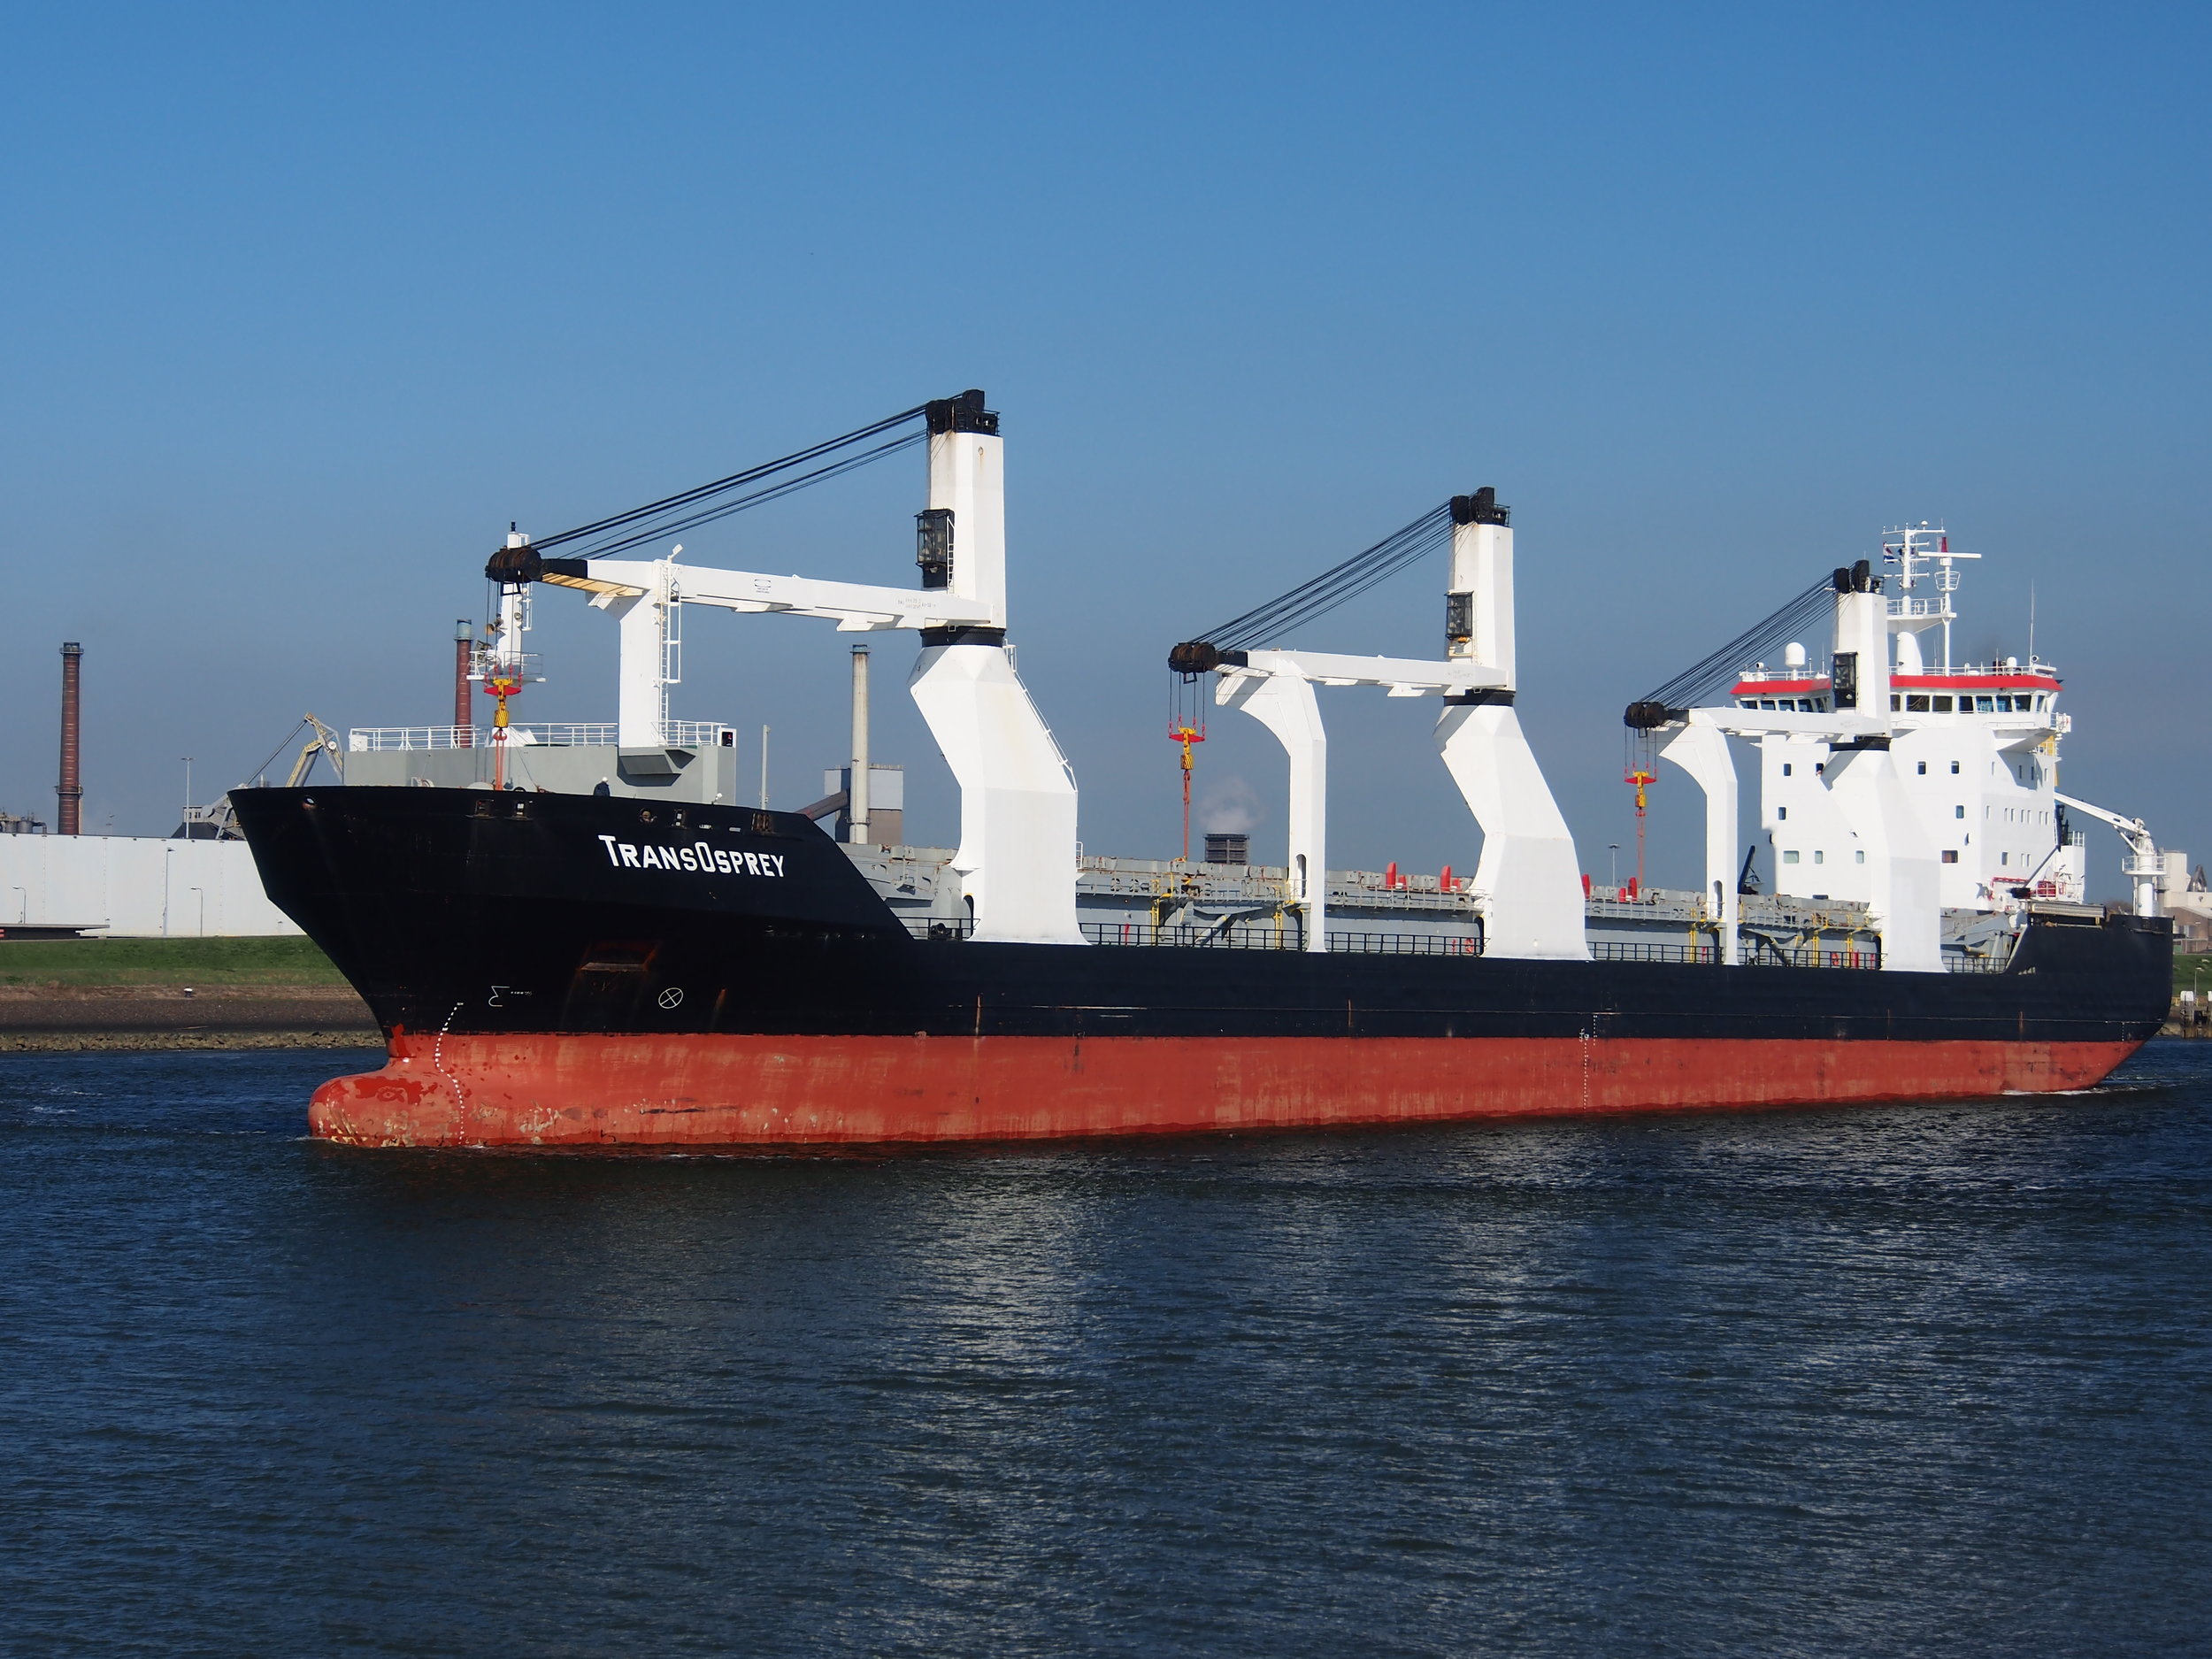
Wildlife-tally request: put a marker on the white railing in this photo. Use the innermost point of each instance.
(700, 735)
(548, 734)
(526, 666)
(1934, 670)
(1816, 676)
(368, 740)
(1980, 670)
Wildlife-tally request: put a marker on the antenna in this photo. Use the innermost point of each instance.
(2030, 625)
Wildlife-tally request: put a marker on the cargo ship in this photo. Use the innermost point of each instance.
(581, 937)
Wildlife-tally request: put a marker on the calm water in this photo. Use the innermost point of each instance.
(1886, 1381)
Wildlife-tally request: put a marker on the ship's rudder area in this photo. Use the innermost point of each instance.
(584, 1091)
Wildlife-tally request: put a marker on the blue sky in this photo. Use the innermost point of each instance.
(304, 304)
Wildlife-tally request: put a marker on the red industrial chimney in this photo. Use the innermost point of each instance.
(71, 790)
(463, 715)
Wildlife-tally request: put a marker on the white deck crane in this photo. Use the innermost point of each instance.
(1017, 857)
(1902, 862)
(1528, 880)
(2143, 864)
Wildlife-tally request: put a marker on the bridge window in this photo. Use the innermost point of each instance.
(1895, 702)
(1984, 705)
(1942, 704)
(1917, 703)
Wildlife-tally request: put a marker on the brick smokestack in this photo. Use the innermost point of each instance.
(464, 716)
(72, 786)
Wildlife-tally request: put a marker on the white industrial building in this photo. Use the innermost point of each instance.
(137, 887)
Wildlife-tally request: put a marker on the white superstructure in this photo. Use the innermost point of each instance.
(1974, 747)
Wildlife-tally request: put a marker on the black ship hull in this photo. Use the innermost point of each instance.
(565, 969)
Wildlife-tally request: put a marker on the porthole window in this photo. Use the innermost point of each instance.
(1789, 859)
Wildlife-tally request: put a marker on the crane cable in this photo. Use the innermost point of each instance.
(654, 532)
(752, 474)
(1695, 686)
(1336, 586)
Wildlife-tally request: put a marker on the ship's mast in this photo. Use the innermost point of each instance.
(1910, 547)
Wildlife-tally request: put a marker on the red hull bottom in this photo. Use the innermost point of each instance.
(732, 1091)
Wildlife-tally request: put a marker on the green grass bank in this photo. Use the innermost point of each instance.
(195, 961)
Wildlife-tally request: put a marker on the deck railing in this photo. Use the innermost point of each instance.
(1642, 950)
(1266, 936)
(1764, 955)
(1975, 965)
(369, 740)
(1404, 944)
(1236, 936)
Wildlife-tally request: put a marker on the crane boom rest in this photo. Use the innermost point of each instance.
(2143, 865)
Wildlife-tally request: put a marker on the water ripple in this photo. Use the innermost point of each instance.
(1825, 1382)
